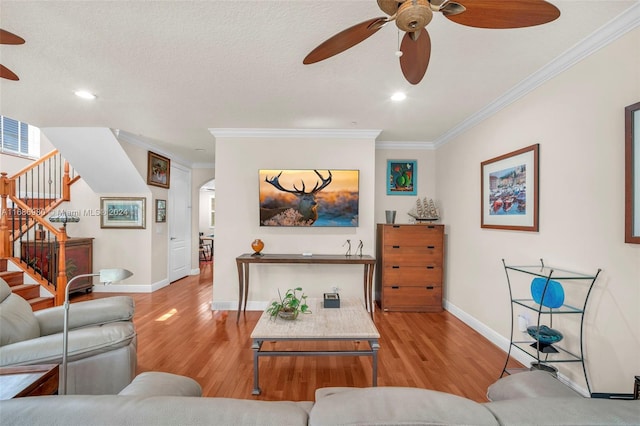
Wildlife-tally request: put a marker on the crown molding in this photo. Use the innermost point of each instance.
(405, 145)
(609, 32)
(143, 143)
(295, 133)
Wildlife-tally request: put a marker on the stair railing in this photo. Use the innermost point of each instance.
(34, 192)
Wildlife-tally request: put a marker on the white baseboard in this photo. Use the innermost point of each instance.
(131, 288)
(503, 343)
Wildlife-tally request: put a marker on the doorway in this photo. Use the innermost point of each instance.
(179, 218)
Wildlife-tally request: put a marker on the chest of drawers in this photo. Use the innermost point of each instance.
(410, 267)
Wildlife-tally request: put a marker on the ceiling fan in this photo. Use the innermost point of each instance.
(412, 17)
(9, 38)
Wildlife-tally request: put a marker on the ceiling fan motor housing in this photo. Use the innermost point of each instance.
(413, 15)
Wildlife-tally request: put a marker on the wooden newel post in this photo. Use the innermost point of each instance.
(66, 186)
(5, 236)
(61, 279)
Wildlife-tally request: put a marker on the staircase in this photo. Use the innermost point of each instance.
(26, 198)
(29, 292)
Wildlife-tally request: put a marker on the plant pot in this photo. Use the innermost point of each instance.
(288, 315)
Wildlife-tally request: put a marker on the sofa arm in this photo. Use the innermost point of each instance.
(84, 314)
(155, 383)
(83, 343)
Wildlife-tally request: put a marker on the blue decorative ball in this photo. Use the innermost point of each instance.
(553, 296)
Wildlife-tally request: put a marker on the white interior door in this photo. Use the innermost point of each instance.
(179, 218)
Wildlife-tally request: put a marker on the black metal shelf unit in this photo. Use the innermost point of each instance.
(533, 347)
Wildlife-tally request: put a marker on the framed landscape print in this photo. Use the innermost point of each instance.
(509, 191)
(122, 212)
(158, 170)
(402, 176)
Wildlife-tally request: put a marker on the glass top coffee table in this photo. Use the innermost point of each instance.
(349, 322)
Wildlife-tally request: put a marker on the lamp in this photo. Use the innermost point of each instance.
(64, 219)
(107, 276)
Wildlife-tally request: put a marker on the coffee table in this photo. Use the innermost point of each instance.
(28, 380)
(349, 322)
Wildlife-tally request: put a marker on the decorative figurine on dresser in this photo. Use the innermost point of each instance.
(410, 264)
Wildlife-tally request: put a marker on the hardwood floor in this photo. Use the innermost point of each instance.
(179, 333)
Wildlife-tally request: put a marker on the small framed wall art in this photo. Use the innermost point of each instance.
(158, 170)
(161, 211)
(509, 191)
(402, 177)
(122, 212)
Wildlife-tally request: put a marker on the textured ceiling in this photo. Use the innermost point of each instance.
(166, 71)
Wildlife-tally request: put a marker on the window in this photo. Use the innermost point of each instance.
(19, 138)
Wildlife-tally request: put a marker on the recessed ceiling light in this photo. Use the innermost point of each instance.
(398, 96)
(84, 94)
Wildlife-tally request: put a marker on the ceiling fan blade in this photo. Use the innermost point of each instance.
(7, 73)
(452, 8)
(415, 56)
(9, 38)
(505, 13)
(345, 40)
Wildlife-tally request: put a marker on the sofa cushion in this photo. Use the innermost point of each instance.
(83, 343)
(395, 406)
(145, 411)
(154, 383)
(565, 411)
(16, 318)
(529, 384)
(86, 314)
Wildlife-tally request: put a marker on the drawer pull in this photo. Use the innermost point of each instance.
(429, 287)
(431, 227)
(396, 226)
(395, 267)
(396, 246)
(431, 247)
(395, 287)
(431, 267)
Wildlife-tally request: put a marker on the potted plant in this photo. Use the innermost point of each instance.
(289, 306)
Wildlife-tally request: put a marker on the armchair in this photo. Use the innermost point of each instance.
(102, 340)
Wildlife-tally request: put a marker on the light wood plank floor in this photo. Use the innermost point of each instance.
(179, 333)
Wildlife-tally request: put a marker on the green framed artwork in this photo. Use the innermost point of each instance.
(122, 212)
(402, 177)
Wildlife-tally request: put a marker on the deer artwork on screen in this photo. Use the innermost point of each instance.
(305, 213)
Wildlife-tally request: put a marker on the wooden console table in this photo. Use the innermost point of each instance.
(243, 262)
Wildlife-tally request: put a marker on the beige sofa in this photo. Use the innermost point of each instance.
(102, 340)
(166, 399)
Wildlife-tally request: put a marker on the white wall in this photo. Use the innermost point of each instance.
(578, 120)
(238, 160)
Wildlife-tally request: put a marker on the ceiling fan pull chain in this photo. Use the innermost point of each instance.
(398, 52)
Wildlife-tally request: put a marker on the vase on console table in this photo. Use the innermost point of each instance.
(257, 245)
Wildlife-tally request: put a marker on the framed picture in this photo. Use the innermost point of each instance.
(158, 170)
(122, 212)
(632, 174)
(161, 210)
(309, 197)
(402, 177)
(509, 191)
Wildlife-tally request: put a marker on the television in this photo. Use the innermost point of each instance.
(313, 197)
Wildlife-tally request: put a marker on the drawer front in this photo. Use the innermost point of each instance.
(402, 298)
(411, 276)
(399, 256)
(412, 235)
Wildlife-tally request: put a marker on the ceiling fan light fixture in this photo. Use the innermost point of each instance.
(414, 15)
(84, 94)
(398, 96)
